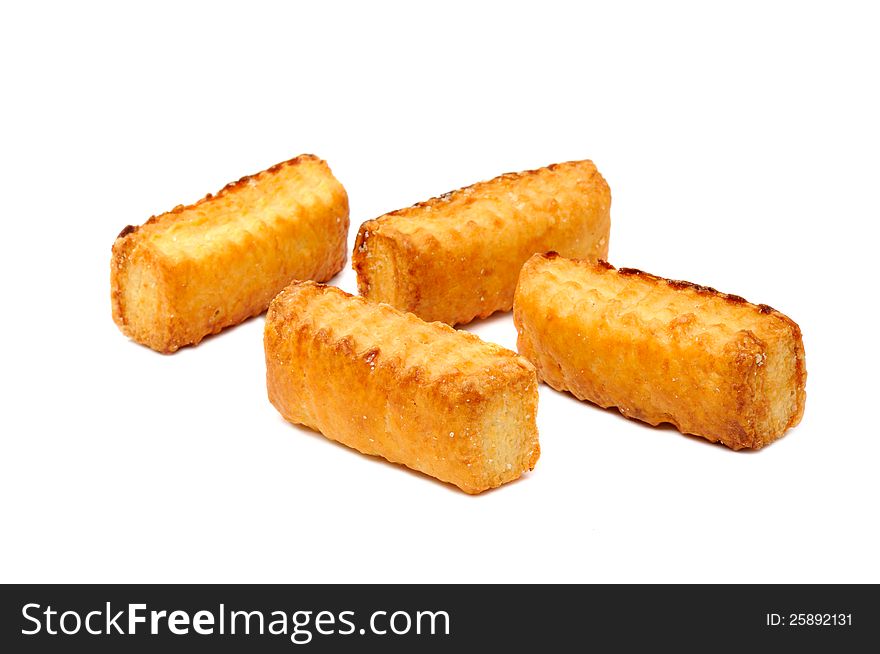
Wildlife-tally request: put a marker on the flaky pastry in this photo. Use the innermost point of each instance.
(457, 257)
(709, 363)
(386, 383)
(192, 271)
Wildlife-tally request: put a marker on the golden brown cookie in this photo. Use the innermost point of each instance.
(457, 257)
(709, 363)
(192, 271)
(386, 383)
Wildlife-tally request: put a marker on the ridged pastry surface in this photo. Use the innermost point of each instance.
(659, 350)
(457, 257)
(386, 383)
(196, 269)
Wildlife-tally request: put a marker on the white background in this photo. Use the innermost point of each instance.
(741, 146)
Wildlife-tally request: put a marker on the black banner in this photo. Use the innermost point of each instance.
(325, 618)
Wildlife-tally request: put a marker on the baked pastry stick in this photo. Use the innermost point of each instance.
(386, 383)
(457, 257)
(192, 271)
(711, 364)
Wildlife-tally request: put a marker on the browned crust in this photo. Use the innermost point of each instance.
(496, 231)
(474, 189)
(169, 332)
(698, 288)
(229, 189)
(366, 231)
(744, 355)
(358, 261)
(764, 309)
(388, 384)
(676, 284)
